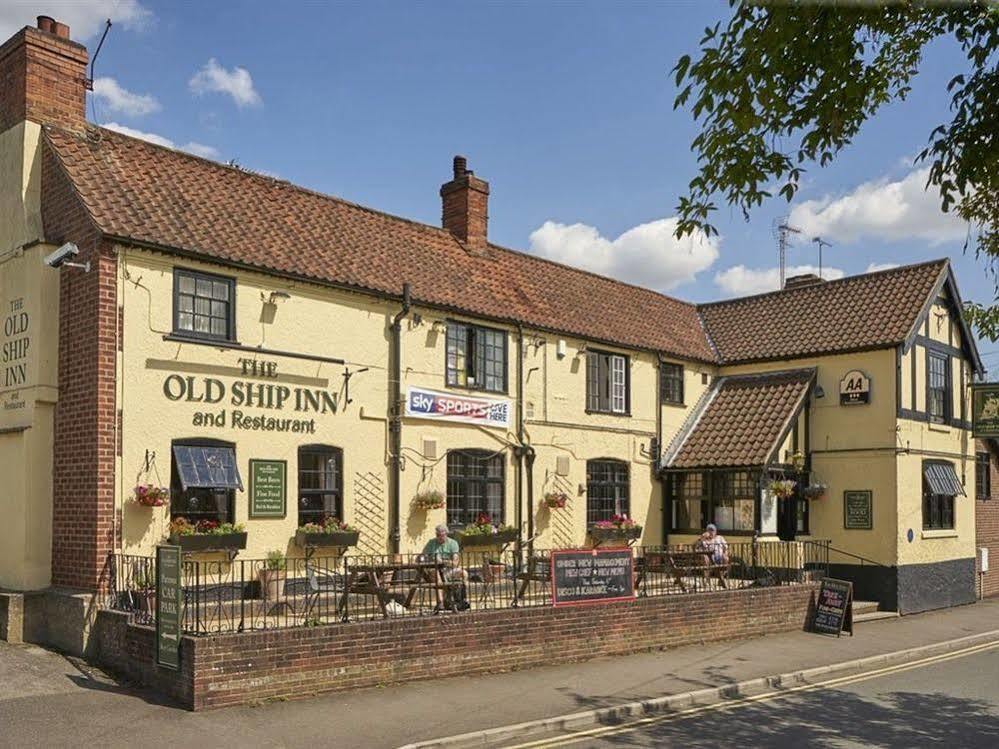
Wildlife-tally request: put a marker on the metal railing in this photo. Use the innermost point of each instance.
(251, 594)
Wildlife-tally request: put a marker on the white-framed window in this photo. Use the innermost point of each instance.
(607, 383)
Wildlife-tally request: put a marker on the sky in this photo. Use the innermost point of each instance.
(566, 108)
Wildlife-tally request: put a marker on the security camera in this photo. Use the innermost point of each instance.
(62, 256)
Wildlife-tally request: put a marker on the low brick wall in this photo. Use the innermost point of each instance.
(225, 670)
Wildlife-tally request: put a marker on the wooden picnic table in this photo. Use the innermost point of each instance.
(378, 579)
(680, 563)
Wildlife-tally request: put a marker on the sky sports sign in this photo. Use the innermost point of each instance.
(431, 404)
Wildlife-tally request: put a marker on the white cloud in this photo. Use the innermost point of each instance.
(742, 281)
(648, 254)
(198, 149)
(85, 18)
(881, 209)
(875, 267)
(121, 100)
(237, 83)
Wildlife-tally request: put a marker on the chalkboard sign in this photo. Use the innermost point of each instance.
(169, 602)
(834, 611)
(268, 488)
(594, 576)
(858, 510)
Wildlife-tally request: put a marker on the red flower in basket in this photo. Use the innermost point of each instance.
(148, 495)
(556, 500)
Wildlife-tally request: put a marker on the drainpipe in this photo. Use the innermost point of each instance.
(520, 451)
(656, 449)
(395, 421)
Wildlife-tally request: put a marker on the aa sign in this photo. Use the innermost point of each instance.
(854, 388)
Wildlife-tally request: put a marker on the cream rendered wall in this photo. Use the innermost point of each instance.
(556, 424)
(29, 314)
(313, 320)
(935, 441)
(852, 448)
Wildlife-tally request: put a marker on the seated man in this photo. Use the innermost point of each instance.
(714, 544)
(441, 548)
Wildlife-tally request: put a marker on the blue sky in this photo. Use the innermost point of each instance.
(566, 108)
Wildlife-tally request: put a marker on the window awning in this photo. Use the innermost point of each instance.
(941, 478)
(207, 467)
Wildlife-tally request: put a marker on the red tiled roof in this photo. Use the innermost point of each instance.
(136, 190)
(857, 312)
(741, 420)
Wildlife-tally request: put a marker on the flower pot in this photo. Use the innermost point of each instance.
(271, 584)
(209, 542)
(338, 538)
(615, 534)
(485, 539)
(555, 504)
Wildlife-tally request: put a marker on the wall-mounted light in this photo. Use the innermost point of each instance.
(560, 348)
(819, 392)
(439, 326)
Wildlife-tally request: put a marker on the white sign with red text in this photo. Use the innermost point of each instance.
(468, 409)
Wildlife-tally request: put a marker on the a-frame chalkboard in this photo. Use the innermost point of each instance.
(834, 609)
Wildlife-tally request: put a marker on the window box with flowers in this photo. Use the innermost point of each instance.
(330, 532)
(431, 500)
(619, 528)
(556, 500)
(147, 495)
(483, 532)
(207, 535)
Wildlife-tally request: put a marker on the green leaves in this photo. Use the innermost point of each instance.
(779, 87)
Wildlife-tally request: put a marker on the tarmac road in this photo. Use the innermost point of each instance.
(950, 701)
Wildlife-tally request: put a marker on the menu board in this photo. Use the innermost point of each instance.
(858, 510)
(268, 488)
(834, 610)
(592, 576)
(169, 602)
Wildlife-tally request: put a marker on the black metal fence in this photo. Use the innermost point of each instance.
(251, 594)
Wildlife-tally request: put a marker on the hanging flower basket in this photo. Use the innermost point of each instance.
(783, 488)
(432, 500)
(814, 491)
(556, 500)
(148, 495)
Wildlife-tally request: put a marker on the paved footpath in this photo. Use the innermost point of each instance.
(48, 700)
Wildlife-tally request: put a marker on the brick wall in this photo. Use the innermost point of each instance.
(987, 524)
(236, 669)
(42, 79)
(84, 462)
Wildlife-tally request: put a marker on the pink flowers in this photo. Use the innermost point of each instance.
(556, 500)
(148, 495)
(617, 522)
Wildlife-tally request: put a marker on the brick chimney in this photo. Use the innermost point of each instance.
(465, 202)
(43, 77)
(805, 279)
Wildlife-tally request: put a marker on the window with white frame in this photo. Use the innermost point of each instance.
(476, 357)
(607, 385)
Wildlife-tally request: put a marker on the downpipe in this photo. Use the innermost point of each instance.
(395, 421)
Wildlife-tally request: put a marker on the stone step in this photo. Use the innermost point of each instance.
(864, 607)
(872, 616)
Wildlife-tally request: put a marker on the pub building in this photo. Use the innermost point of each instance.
(273, 356)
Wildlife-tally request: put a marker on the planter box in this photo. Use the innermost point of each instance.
(480, 539)
(614, 534)
(208, 542)
(340, 538)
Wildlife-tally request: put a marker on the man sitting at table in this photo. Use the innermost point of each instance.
(714, 544)
(442, 548)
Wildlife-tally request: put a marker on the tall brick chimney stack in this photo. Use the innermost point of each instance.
(43, 77)
(466, 206)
